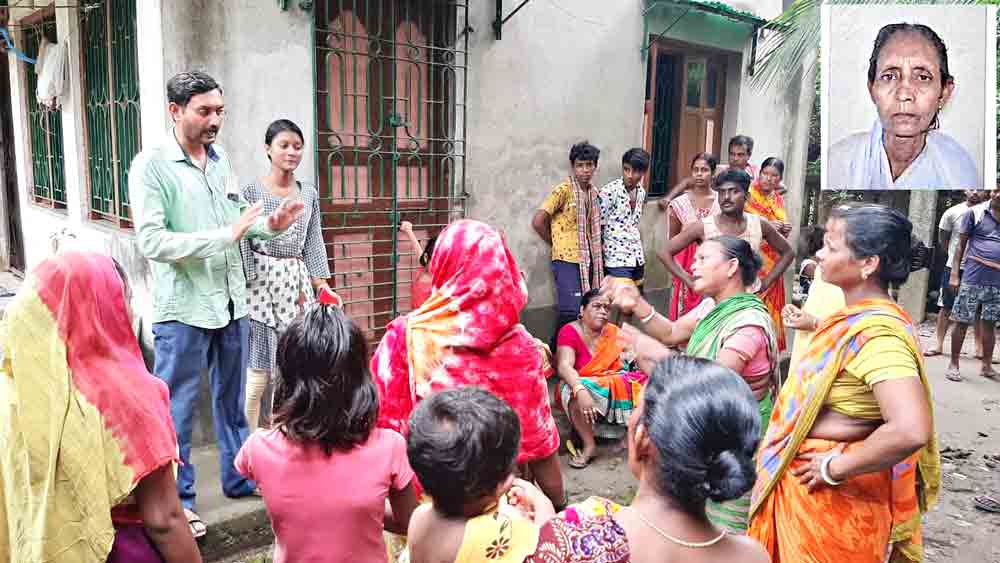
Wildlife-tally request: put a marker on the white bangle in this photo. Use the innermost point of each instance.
(824, 470)
(649, 317)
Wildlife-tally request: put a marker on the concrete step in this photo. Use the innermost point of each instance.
(234, 525)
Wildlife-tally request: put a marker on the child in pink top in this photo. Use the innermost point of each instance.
(324, 470)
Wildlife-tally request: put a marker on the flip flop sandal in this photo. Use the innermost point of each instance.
(579, 461)
(989, 375)
(953, 375)
(931, 353)
(195, 524)
(987, 503)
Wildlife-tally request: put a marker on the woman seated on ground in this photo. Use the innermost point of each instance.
(87, 467)
(731, 327)
(849, 461)
(598, 390)
(692, 439)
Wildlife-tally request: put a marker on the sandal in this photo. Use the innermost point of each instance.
(195, 524)
(579, 461)
(987, 503)
(932, 352)
(953, 374)
(989, 374)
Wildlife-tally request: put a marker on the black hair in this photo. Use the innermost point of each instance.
(584, 151)
(813, 238)
(710, 159)
(876, 230)
(742, 140)
(921, 255)
(324, 393)
(428, 253)
(927, 33)
(126, 283)
(186, 85)
(775, 162)
(637, 158)
(704, 422)
(589, 296)
(280, 126)
(732, 175)
(749, 261)
(463, 443)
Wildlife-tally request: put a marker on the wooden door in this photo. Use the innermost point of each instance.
(702, 100)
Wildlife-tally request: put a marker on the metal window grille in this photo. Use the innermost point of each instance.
(45, 128)
(390, 141)
(111, 95)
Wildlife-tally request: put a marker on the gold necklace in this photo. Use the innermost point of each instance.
(693, 545)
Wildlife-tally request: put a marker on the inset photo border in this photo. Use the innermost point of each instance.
(895, 122)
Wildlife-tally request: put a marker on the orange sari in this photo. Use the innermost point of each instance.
(614, 386)
(860, 519)
(771, 208)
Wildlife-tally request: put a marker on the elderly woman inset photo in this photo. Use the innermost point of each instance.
(910, 84)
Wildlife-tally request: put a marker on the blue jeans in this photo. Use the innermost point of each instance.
(569, 291)
(182, 354)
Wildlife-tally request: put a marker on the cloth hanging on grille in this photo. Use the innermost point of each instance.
(51, 71)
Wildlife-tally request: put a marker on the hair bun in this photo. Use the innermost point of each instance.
(730, 475)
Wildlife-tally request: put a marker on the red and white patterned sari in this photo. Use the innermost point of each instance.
(468, 333)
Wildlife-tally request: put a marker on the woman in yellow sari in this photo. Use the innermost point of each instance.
(598, 390)
(850, 461)
(87, 447)
(764, 201)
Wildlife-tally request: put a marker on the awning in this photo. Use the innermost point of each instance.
(713, 23)
(712, 7)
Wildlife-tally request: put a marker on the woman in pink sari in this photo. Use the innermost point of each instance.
(698, 202)
(468, 333)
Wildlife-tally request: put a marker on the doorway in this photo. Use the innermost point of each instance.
(8, 173)
(686, 93)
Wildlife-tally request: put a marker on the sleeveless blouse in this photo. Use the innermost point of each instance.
(753, 233)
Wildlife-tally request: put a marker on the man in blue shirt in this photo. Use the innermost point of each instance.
(978, 258)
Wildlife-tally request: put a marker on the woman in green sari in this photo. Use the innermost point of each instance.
(731, 327)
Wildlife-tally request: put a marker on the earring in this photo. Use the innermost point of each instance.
(864, 275)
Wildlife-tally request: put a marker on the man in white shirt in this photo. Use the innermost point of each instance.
(947, 227)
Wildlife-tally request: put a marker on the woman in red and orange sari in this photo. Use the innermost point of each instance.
(88, 446)
(468, 333)
(599, 388)
(764, 201)
(850, 460)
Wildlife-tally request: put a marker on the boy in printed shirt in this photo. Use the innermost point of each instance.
(621, 204)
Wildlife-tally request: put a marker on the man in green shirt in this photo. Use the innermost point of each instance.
(189, 218)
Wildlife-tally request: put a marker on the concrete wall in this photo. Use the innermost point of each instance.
(554, 79)
(558, 77)
(263, 59)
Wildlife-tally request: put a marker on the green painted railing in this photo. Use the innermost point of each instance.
(390, 140)
(111, 97)
(45, 129)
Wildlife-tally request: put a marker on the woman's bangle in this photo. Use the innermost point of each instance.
(579, 387)
(649, 317)
(824, 470)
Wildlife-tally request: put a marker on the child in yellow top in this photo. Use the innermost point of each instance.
(463, 447)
